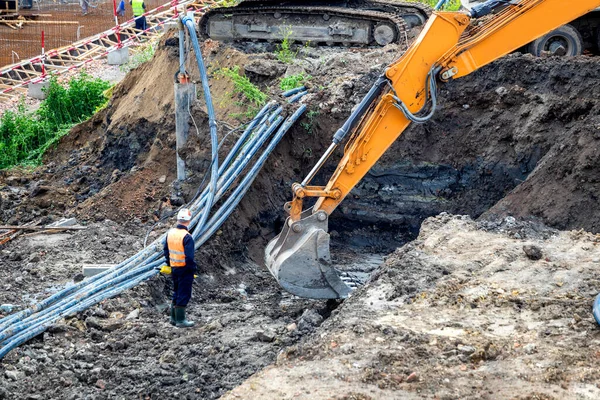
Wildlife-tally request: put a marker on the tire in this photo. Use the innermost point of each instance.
(565, 40)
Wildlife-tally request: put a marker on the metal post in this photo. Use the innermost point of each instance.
(184, 96)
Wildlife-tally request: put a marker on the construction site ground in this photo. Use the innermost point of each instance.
(496, 304)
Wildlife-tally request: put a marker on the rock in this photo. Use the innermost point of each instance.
(533, 252)
(177, 200)
(14, 375)
(134, 314)
(93, 322)
(266, 336)
(347, 348)
(168, 357)
(291, 327)
(309, 320)
(214, 325)
(109, 325)
(268, 68)
(101, 384)
(112, 324)
(162, 179)
(501, 91)
(39, 188)
(468, 350)
(412, 377)
(530, 348)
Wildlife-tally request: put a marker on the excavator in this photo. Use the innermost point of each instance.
(450, 46)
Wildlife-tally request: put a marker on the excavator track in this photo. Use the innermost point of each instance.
(363, 23)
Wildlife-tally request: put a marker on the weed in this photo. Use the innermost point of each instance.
(293, 81)
(310, 124)
(451, 5)
(284, 51)
(142, 54)
(25, 136)
(243, 85)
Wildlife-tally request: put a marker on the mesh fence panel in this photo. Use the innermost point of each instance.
(63, 22)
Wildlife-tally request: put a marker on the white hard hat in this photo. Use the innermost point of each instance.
(184, 215)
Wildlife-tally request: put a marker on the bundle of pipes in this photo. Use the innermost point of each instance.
(268, 125)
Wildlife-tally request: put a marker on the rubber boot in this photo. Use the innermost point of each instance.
(181, 322)
(173, 321)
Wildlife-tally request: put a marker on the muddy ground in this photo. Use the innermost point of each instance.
(504, 139)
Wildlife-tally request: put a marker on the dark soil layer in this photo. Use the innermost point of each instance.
(522, 123)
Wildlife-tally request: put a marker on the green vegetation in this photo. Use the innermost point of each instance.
(242, 85)
(293, 81)
(284, 51)
(25, 136)
(451, 5)
(310, 124)
(141, 54)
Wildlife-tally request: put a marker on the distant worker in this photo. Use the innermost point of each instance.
(121, 8)
(84, 4)
(139, 8)
(179, 253)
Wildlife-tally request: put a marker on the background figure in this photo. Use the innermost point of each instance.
(139, 8)
(84, 6)
(121, 8)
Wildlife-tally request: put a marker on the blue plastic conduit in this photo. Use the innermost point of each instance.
(212, 121)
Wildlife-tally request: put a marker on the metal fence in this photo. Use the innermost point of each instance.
(62, 22)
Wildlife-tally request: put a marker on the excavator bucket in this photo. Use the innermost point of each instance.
(299, 259)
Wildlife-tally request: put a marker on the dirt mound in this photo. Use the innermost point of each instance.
(463, 312)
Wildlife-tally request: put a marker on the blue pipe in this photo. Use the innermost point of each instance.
(57, 310)
(596, 309)
(232, 201)
(297, 97)
(190, 25)
(293, 91)
(25, 336)
(244, 136)
(440, 4)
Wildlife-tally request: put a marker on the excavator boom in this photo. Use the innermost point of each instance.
(448, 47)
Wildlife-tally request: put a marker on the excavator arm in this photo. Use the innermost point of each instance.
(449, 47)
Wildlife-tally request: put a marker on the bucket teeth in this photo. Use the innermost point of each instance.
(300, 261)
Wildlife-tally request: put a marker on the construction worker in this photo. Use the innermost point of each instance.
(179, 253)
(139, 7)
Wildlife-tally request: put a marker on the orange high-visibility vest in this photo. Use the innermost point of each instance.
(175, 243)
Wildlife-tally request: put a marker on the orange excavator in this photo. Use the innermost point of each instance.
(451, 45)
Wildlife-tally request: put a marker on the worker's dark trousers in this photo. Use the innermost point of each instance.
(183, 277)
(140, 23)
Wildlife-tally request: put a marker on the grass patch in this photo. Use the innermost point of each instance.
(142, 54)
(242, 85)
(25, 136)
(293, 81)
(451, 5)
